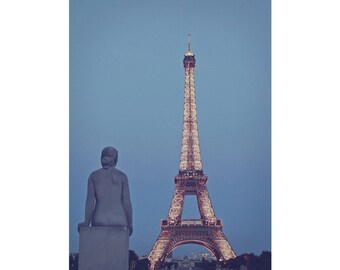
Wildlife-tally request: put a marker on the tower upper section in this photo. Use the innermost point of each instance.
(189, 57)
(190, 152)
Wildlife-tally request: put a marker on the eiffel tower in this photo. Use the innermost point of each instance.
(175, 231)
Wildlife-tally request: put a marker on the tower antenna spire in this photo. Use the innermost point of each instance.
(189, 42)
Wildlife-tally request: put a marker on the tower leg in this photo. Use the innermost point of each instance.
(176, 207)
(223, 245)
(159, 250)
(204, 204)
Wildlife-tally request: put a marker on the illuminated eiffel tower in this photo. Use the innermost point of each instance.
(175, 231)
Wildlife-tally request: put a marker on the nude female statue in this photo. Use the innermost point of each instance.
(108, 198)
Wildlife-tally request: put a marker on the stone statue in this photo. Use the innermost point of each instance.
(108, 198)
(108, 215)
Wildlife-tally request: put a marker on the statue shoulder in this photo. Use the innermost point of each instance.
(95, 173)
(120, 174)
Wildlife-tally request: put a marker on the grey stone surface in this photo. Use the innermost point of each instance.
(103, 248)
(105, 232)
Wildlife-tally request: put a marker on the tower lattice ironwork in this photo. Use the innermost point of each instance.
(175, 231)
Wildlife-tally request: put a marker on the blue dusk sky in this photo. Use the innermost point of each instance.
(127, 90)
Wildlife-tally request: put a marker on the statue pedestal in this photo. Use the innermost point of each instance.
(103, 248)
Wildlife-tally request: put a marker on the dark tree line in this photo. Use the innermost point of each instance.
(73, 261)
(205, 265)
(251, 261)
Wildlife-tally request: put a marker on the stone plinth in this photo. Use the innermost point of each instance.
(103, 248)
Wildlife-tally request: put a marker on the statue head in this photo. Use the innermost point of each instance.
(109, 157)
